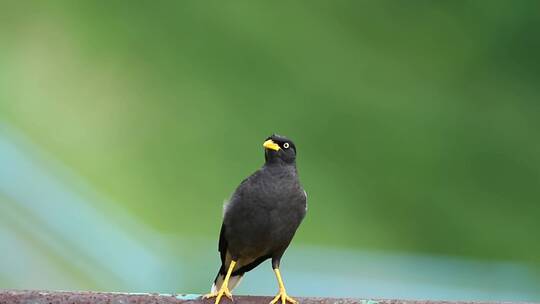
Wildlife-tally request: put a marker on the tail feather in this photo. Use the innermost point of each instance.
(234, 280)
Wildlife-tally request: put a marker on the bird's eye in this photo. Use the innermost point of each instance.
(286, 145)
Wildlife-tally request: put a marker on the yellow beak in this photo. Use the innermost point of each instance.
(269, 144)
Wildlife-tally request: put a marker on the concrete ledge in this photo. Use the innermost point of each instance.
(88, 297)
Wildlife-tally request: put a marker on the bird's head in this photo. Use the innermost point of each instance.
(278, 149)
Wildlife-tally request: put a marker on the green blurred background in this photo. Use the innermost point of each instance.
(416, 125)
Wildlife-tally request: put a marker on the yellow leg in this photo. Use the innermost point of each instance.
(224, 289)
(282, 292)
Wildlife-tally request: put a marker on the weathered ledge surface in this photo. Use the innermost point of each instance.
(89, 297)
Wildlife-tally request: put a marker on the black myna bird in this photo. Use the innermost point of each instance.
(261, 218)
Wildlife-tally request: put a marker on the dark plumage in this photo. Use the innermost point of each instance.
(262, 215)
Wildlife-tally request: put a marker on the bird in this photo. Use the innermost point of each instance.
(260, 219)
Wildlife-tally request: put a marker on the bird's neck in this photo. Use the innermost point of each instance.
(279, 165)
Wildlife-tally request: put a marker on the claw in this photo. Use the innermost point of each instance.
(284, 298)
(223, 291)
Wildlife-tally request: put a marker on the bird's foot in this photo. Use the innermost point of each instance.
(284, 298)
(223, 291)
